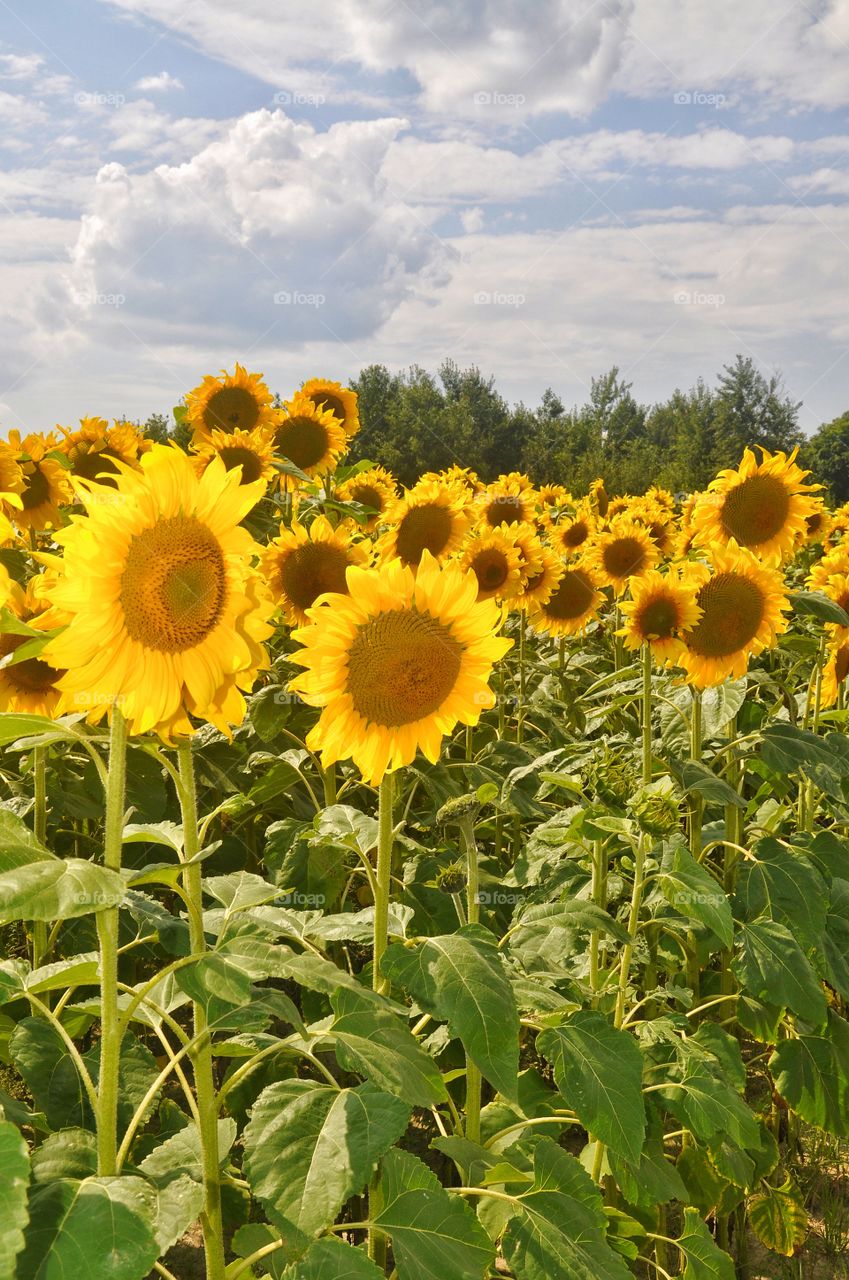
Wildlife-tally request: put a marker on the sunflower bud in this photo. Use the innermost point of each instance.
(455, 810)
(611, 776)
(656, 807)
(452, 879)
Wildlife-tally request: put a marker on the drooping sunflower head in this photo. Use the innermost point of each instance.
(333, 398)
(571, 606)
(374, 489)
(310, 438)
(762, 506)
(598, 497)
(618, 507)
(834, 673)
(12, 480)
(303, 564)
(430, 517)
(167, 616)
(29, 685)
(494, 558)
(397, 663)
(237, 401)
(742, 604)
(94, 448)
(620, 552)
(507, 501)
(46, 484)
(252, 451)
(661, 608)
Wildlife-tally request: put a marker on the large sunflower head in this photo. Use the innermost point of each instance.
(46, 483)
(762, 506)
(496, 561)
(507, 501)
(31, 684)
(430, 517)
(834, 673)
(166, 614)
(622, 551)
(251, 451)
(662, 607)
(237, 401)
(540, 579)
(94, 448)
(818, 524)
(397, 663)
(310, 438)
(333, 398)
(374, 489)
(303, 564)
(571, 606)
(742, 604)
(571, 532)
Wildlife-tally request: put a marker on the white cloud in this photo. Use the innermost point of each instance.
(20, 66)
(160, 83)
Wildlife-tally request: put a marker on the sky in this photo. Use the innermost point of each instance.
(542, 188)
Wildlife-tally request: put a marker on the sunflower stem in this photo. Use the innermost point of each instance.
(473, 911)
(328, 780)
(211, 1218)
(646, 716)
(107, 933)
(382, 879)
(39, 927)
(696, 754)
(599, 897)
(633, 921)
(520, 710)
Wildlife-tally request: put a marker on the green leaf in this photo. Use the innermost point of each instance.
(57, 889)
(785, 749)
(330, 1259)
(434, 1235)
(70, 1153)
(692, 891)
(778, 1217)
(14, 1163)
(697, 777)
(181, 1152)
(599, 1072)
(460, 979)
(835, 942)
(783, 885)
(100, 1228)
(817, 605)
(309, 1147)
(772, 966)
(14, 726)
(705, 1102)
(375, 1043)
(39, 1053)
(812, 1074)
(703, 1259)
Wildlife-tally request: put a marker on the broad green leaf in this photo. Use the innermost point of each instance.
(40, 1055)
(14, 1164)
(55, 888)
(345, 825)
(817, 605)
(375, 1043)
(80, 971)
(181, 1152)
(214, 980)
(70, 1153)
(772, 966)
(460, 979)
(708, 1105)
(14, 726)
(100, 1228)
(703, 1259)
(785, 749)
(835, 942)
(599, 1072)
(693, 892)
(783, 885)
(576, 915)
(697, 777)
(434, 1235)
(317, 974)
(778, 1217)
(812, 1074)
(653, 1180)
(309, 1147)
(331, 1259)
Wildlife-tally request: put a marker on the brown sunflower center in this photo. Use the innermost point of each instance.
(37, 487)
(174, 585)
(30, 676)
(814, 523)
(401, 667)
(491, 568)
(733, 610)
(97, 465)
(312, 569)
(623, 556)
(658, 618)
(328, 402)
(367, 496)
(427, 527)
(236, 455)
(572, 597)
(231, 409)
(575, 534)
(302, 440)
(505, 509)
(755, 510)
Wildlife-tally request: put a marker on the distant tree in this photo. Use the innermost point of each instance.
(157, 428)
(751, 410)
(827, 455)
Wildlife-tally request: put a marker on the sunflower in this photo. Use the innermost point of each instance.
(831, 577)
(834, 674)
(618, 507)
(662, 606)
(762, 506)
(553, 497)
(253, 451)
(94, 448)
(336, 399)
(47, 486)
(598, 497)
(374, 489)
(570, 533)
(31, 685)
(539, 585)
(623, 550)
(310, 438)
(430, 517)
(167, 616)
(455, 475)
(494, 558)
(818, 524)
(658, 521)
(12, 479)
(742, 603)
(507, 501)
(572, 605)
(232, 402)
(303, 564)
(397, 663)
(661, 498)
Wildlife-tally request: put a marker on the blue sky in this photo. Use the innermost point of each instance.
(543, 190)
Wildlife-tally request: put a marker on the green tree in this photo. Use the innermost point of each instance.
(827, 454)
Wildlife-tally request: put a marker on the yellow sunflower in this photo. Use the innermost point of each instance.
(598, 497)
(835, 585)
(618, 507)
(237, 401)
(818, 524)
(507, 501)
(762, 506)
(553, 497)
(47, 486)
(661, 497)
(658, 521)
(834, 674)
(496, 561)
(31, 685)
(94, 448)
(303, 564)
(572, 605)
(531, 549)
(336, 399)
(622, 551)
(430, 517)
(661, 608)
(167, 616)
(397, 663)
(310, 438)
(455, 475)
(374, 489)
(12, 480)
(570, 533)
(742, 602)
(253, 451)
(538, 586)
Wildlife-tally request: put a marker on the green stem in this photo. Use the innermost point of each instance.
(696, 754)
(382, 880)
(646, 714)
(211, 1217)
(633, 921)
(599, 897)
(473, 1075)
(328, 778)
(111, 1033)
(39, 928)
(520, 713)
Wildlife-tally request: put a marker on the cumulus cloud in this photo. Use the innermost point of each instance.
(160, 83)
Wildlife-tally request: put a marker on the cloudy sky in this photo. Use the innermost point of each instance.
(541, 188)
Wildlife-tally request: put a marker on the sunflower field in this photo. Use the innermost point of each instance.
(442, 884)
